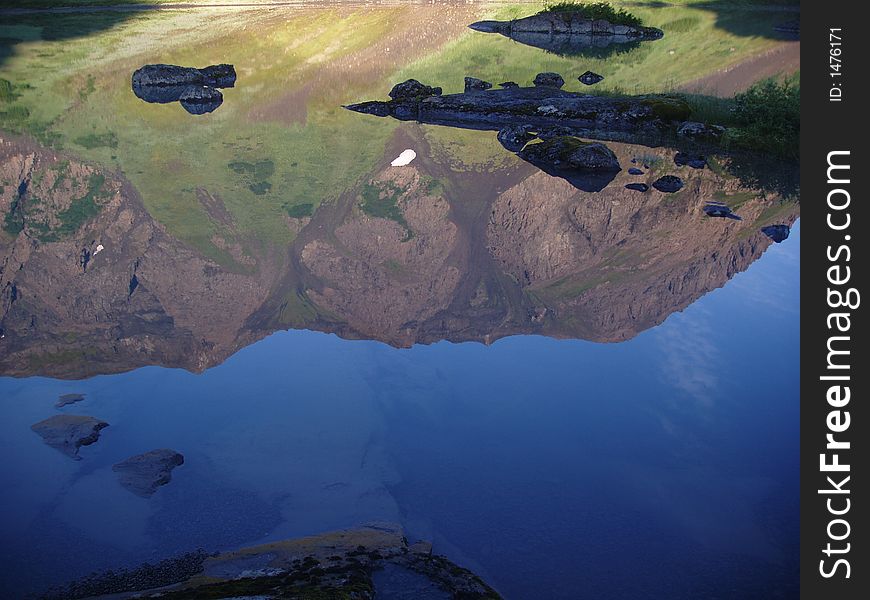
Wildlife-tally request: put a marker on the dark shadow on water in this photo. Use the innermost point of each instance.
(59, 27)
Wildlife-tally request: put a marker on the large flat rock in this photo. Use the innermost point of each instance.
(144, 473)
(68, 433)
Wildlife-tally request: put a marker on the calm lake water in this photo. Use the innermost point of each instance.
(574, 394)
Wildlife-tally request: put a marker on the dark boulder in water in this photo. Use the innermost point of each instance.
(160, 75)
(201, 100)
(721, 210)
(473, 84)
(413, 89)
(553, 80)
(778, 233)
(194, 88)
(668, 184)
(589, 166)
(515, 137)
(696, 161)
(590, 78)
(637, 187)
(635, 171)
(144, 473)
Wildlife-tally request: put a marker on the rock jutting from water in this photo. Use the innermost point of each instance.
(715, 208)
(637, 187)
(627, 118)
(778, 233)
(668, 184)
(590, 78)
(194, 88)
(696, 161)
(144, 473)
(568, 32)
(553, 80)
(635, 171)
(68, 433)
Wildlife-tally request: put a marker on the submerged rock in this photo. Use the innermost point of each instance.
(67, 399)
(515, 137)
(590, 78)
(720, 209)
(553, 80)
(668, 184)
(68, 433)
(637, 187)
(473, 84)
(696, 161)
(778, 233)
(635, 171)
(144, 473)
(413, 89)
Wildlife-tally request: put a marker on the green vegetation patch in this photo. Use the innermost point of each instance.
(299, 211)
(97, 140)
(381, 199)
(256, 175)
(596, 11)
(7, 91)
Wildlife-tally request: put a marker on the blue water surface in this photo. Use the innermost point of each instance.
(661, 467)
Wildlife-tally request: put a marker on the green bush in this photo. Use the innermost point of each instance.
(595, 10)
(767, 118)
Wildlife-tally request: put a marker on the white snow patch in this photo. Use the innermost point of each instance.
(404, 158)
(99, 249)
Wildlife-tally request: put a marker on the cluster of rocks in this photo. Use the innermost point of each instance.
(141, 474)
(195, 89)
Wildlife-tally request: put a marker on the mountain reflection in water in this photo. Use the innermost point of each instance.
(456, 255)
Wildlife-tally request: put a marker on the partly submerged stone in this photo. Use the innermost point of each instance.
(68, 433)
(515, 137)
(67, 399)
(144, 473)
(778, 233)
(553, 80)
(572, 153)
(696, 161)
(635, 171)
(473, 84)
(588, 166)
(637, 187)
(668, 184)
(201, 100)
(413, 89)
(590, 78)
(162, 75)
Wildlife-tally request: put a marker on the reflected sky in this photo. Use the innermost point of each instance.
(664, 464)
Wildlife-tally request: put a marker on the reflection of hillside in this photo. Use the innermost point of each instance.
(413, 254)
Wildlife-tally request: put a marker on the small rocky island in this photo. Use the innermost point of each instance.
(569, 32)
(68, 433)
(67, 399)
(544, 124)
(144, 473)
(372, 561)
(195, 89)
